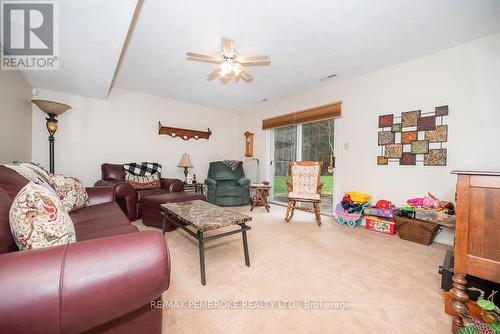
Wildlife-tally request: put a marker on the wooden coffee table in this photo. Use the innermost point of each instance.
(200, 217)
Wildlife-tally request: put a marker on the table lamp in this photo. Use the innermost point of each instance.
(186, 163)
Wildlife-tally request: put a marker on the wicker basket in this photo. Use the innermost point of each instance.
(416, 230)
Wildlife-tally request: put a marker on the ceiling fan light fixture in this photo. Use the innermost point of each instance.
(237, 69)
(226, 67)
(231, 66)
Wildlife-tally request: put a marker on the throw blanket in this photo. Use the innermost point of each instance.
(143, 168)
(233, 164)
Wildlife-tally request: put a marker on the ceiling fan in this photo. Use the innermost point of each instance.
(230, 66)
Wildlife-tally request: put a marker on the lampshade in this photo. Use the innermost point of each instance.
(51, 107)
(185, 161)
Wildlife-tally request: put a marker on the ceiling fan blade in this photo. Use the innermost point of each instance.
(203, 57)
(224, 79)
(246, 76)
(214, 74)
(228, 47)
(254, 60)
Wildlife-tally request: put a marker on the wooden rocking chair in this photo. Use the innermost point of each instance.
(304, 186)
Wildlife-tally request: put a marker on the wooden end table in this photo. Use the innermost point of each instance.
(202, 217)
(194, 187)
(261, 195)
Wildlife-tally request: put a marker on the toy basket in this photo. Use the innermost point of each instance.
(416, 230)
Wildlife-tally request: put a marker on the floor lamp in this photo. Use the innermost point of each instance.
(52, 109)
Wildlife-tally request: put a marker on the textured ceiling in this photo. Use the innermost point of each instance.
(91, 38)
(307, 40)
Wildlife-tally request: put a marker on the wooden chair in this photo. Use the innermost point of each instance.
(304, 186)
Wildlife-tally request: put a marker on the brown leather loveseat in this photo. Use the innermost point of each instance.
(129, 199)
(103, 283)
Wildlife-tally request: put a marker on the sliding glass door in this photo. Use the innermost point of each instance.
(311, 141)
(284, 150)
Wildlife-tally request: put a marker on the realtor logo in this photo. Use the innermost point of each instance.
(29, 35)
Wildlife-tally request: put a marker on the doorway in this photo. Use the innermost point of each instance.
(310, 141)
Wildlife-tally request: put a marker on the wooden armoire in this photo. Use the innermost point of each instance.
(477, 234)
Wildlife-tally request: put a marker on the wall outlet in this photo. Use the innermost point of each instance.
(346, 146)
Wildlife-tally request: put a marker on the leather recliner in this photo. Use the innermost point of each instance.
(129, 199)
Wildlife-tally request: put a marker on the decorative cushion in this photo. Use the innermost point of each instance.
(37, 219)
(71, 192)
(34, 173)
(37, 168)
(143, 182)
(303, 196)
(143, 168)
(305, 182)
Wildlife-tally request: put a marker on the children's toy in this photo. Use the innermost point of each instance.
(347, 198)
(406, 211)
(353, 202)
(380, 218)
(378, 224)
(383, 204)
(352, 219)
(359, 198)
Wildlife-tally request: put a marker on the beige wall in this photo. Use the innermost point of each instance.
(15, 117)
(124, 128)
(465, 77)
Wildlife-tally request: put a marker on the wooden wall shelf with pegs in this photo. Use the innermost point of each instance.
(185, 134)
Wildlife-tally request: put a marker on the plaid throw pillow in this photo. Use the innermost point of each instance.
(143, 182)
(143, 168)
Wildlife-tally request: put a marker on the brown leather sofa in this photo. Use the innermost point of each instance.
(129, 199)
(103, 283)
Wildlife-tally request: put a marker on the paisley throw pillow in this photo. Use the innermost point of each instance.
(37, 219)
(71, 192)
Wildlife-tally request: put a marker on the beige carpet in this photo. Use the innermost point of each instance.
(392, 285)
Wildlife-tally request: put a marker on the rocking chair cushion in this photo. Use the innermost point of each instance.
(299, 196)
(305, 181)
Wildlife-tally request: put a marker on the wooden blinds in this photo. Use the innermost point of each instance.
(327, 111)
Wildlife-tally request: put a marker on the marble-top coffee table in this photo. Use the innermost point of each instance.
(202, 216)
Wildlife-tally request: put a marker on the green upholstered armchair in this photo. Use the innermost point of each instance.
(227, 187)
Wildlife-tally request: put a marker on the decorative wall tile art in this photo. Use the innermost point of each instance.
(396, 127)
(441, 111)
(426, 123)
(381, 160)
(420, 147)
(436, 157)
(393, 151)
(439, 135)
(408, 136)
(385, 121)
(423, 134)
(386, 137)
(409, 118)
(408, 159)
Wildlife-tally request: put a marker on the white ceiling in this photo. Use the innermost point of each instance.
(307, 40)
(91, 38)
